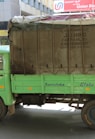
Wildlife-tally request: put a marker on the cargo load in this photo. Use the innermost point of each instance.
(63, 44)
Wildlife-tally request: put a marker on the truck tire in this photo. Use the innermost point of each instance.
(3, 110)
(88, 114)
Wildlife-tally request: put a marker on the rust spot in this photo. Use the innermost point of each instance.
(1, 87)
(87, 88)
(29, 88)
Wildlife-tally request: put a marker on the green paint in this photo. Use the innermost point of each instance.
(43, 84)
(54, 84)
(5, 80)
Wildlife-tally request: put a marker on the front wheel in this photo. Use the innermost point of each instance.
(88, 114)
(3, 110)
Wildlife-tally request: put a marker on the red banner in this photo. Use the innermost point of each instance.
(74, 5)
(79, 5)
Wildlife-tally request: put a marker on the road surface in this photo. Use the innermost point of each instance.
(32, 123)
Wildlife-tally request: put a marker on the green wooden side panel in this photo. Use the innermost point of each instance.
(53, 84)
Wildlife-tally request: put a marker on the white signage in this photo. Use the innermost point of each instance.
(58, 6)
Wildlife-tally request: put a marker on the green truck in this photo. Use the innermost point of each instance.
(49, 60)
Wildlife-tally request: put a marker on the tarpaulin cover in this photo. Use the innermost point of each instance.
(58, 44)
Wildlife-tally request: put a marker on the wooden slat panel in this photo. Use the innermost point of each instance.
(45, 50)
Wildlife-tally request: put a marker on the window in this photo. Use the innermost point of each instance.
(1, 62)
(36, 4)
(3, 25)
(25, 1)
(31, 2)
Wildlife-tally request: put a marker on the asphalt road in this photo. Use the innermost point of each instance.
(44, 124)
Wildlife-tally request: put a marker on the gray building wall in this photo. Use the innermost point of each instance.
(9, 8)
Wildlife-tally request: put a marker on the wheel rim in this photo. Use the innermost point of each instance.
(0, 111)
(91, 114)
(3, 110)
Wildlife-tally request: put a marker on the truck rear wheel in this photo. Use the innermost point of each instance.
(3, 110)
(88, 114)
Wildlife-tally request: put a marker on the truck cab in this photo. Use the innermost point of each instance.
(6, 98)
